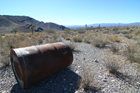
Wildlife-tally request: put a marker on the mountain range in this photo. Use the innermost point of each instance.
(23, 23)
(105, 25)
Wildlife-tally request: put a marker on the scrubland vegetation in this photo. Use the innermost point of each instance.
(122, 42)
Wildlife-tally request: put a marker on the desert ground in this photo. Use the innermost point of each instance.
(106, 60)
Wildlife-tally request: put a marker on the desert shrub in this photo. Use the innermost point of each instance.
(126, 32)
(81, 31)
(133, 52)
(112, 64)
(115, 28)
(77, 39)
(50, 31)
(3, 34)
(111, 38)
(128, 36)
(55, 36)
(5, 60)
(67, 30)
(118, 39)
(40, 41)
(86, 40)
(137, 32)
(97, 42)
(127, 28)
(67, 38)
(64, 35)
(114, 48)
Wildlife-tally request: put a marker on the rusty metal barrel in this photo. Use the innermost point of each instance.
(34, 63)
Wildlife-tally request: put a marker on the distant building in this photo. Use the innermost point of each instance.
(85, 25)
(90, 28)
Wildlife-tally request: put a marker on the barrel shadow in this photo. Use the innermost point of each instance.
(64, 81)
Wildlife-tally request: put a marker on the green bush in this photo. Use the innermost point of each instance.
(67, 38)
(118, 39)
(77, 39)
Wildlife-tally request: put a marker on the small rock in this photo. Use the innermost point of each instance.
(109, 75)
(95, 60)
(76, 92)
(112, 80)
(78, 66)
(101, 68)
(83, 58)
(77, 71)
(79, 92)
(64, 79)
(104, 80)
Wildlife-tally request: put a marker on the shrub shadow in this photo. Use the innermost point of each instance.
(126, 78)
(77, 51)
(64, 81)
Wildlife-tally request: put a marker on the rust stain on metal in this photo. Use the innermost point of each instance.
(31, 64)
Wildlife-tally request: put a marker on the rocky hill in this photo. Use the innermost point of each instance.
(23, 23)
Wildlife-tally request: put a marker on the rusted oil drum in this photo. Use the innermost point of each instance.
(31, 64)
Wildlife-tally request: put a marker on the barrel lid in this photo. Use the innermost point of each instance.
(17, 67)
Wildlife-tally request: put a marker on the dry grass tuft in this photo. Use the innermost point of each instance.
(112, 64)
(99, 41)
(88, 81)
(133, 51)
(72, 46)
(114, 48)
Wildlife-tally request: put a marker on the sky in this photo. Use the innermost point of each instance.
(74, 12)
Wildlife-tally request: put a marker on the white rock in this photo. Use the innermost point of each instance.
(95, 60)
(104, 80)
(3, 91)
(77, 71)
(138, 83)
(112, 80)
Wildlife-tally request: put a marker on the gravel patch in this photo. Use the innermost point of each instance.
(66, 80)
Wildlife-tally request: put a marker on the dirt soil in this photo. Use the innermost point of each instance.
(67, 80)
